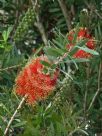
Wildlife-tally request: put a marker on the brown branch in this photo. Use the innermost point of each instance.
(72, 10)
(90, 8)
(65, 13)
(13, 116)
(41, 29)
(39, 23)
(17, 16)
(99, 134)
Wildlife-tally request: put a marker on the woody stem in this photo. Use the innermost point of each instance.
(13, 116)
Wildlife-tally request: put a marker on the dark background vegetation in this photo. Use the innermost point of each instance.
(75, 109)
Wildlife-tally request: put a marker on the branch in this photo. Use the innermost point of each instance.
(65, 13)
(13, 116)
(95, 11)
(17, 16)
(12, 67)
(39, 23)
(99, 134)
(72, 10)
(98, 88)
(41, 29)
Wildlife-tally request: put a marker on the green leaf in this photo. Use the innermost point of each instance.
(96, 34)
(61, 40)
(58, 43)
(20, 124)
(79, 60)
(1, 46)
(53, 66)
(54, 52)
(1, 132)
(88, 50)
(6, 34)
(38, 50)
(54, 10)
(74, 49)
(45, 63)
(48, 107)
(83, 131)
(8, 47)
(99, 31)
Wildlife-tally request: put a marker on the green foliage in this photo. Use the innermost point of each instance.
(67, 111)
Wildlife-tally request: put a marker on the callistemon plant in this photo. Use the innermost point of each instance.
(34, 82)
(82, 34)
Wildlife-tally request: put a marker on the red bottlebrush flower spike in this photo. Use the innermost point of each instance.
(34, 83)
(83, 34)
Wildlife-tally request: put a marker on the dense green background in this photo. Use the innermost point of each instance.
(67, 112)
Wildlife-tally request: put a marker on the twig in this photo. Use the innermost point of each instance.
(39, 23)
(98, 14)
(72, 10)
(95, 11)
(99, 134)
(13, 116)
(61, 58)
(34, 3)
(41, 29)
(12, 67)
(98, 88)
(17, 16)
(65, 13)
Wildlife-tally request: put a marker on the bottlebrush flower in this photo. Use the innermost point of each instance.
(33, 82)
(83, 34)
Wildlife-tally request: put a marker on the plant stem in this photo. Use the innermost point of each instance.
(86, 91)
(41, 29)
(98, 88)
(65, 13)
(39, 23)
(12, 67)
(91, 8)
(13, 116)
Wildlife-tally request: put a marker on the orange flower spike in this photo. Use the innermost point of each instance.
(83, 34)
(34, 82)
(81, 54)
(91, 43)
